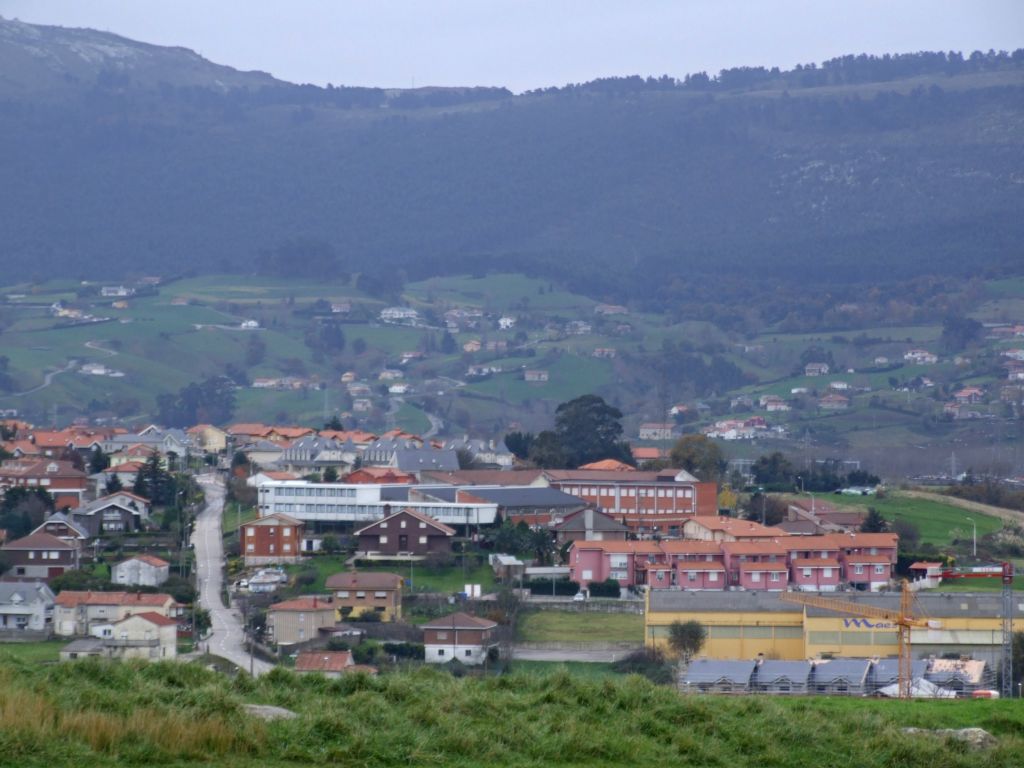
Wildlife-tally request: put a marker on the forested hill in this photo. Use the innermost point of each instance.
(862, 168)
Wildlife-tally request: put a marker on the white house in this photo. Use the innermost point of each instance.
(459, 636)
(505, 323)
(399, 315)
(25, 607)
(148, 636)
(920, 357)
(141, 570)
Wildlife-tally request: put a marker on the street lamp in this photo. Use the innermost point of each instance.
(974, 525)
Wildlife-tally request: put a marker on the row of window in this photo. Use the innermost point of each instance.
(360, 595)
(739, 632)
(44, 555)
(402, 524)
(272, 549)
(643, 493)
(286, 531)
(384, 539)
(317, 491)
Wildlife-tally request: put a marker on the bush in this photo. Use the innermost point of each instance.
(306, 577)
(406, 650)
(606, 588)
(650, 663)
(562, 587)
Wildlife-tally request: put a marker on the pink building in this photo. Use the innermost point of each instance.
(740, 557)
(816, 574)
(768, 576)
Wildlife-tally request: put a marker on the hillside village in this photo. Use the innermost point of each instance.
(341, 543)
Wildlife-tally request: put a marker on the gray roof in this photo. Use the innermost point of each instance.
(83, 645)
(935, 604)
(854, 671)
(29, 591)
(770, 671)
(577, 521)
(102, 503)
(60, 517)
(418, 459)
(717, 670)
(527, 496)
(887, 671)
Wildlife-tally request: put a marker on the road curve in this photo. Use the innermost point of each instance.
(226, 638)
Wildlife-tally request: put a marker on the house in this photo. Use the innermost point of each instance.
(266, 476)
(275, 538)
(834, 403)
(357, 593)
(578, 328)
(473, 345)
(147, 635)
(60, 525)
(656, 431)
(469, 639)
(141, 570)
(535, 376)
(485, 453)
(379, 475)
(314, 453)
(60, 479)
(390, 374)
(719, 528)
(400, 315)
(506, 322)
(604, 353)
(761, 565)
(362, 405)
(839, 386)
(405, 533)
(26, 610)
(327, 663)
(78, 613)
(816, 369)
(643, 453)
(920, 357)
(400, 388)
(537, 507)
(610, 309)
(718, 676)
(118, 512)
(969, 396)
(208, 438)
(300, 620)
(40, 556)
(116, 291)
(589, 525)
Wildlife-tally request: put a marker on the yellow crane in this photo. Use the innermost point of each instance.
(902, 619)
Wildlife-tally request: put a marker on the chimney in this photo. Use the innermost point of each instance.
(588, 519)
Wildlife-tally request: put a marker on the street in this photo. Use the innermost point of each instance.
(226, 637)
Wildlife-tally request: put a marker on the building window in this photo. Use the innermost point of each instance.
(383, 525)
(380, 594)
(806, 573)
(775, 575)
(588, 575)
(858, 569)
(423, 539)
(383, 539)
(286, 531)
(469, 652)
(880, 569)
(343, 593)
(250, 531)
(250, 547)
(360, 594)
(402, 524)
(661, 575)
(423, 525)
(287, 547)
(31, 555)
(712, 576)
(755, 575)
(440, 651)
(691, 576)
(827, 573)
(442, 635)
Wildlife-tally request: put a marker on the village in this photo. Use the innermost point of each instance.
(345, 550)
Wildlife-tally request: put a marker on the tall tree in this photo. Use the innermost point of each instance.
(874, 522)
(700, 456)
(686, 638)
(98, 460)
(589, 429)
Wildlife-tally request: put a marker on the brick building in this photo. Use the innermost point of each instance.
(276, 538)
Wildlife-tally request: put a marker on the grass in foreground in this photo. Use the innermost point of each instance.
(582, 627)
(94, 713)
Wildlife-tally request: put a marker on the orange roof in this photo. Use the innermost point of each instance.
(153, 560)
(153, 618)
(854, 558)
(767, 547)
(308, 603)
(646, 453)
(357, 436)
(621, 547)
(52, 439)
(323, 661)
(459, 620)
(278, 475)
(414, 514)
(256, 430)
(735, 527)
(126, 466)
(815, 542)
(690, 547)
(290, 433)
(609, 465)
(856, 540)
(367, 580)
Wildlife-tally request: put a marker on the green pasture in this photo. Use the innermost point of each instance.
(551, 626)
(938, 523)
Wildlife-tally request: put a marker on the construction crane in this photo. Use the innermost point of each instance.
(1003, 571)
(901, 618)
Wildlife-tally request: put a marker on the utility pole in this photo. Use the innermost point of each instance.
(974, 536)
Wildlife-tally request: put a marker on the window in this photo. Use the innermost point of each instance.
(661, 575)
(423, 539)
(469, 652)
(31, 555)
(442, 635)
(423, 525)
(755, 576)
(360, 594)
(712, 576)
(403, 524)
(272, 529)
(879, 569)
(380, 594)
(250, 531)
(588, 575)
(440, 651)
(287, 547)
(874, 550)
(806, 573)
(383, 539)
(286, 531)
(383, 525)
(827, 573)
(691, 576)
(250, 547)
(775, 575)
(272, 549)
(858, 569)
(343, 593)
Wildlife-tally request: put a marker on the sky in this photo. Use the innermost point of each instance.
(524, 44)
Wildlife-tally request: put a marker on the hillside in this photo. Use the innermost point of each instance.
(633, 189)
(93, 713)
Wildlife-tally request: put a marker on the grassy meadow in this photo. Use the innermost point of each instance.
(937, 523)
(575, 627)
(95, 713)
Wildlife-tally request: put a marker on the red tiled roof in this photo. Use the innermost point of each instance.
(153, 560)
(40, 540)
(766, 547)
(609, 465)
(414, 514)
(868, 558)
(308, 603)
(152, 618)
(323, 661)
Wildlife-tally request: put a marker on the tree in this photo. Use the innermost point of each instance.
(910, 534)
(330, 475)
(334, 423)
(23, 509)
(330, 545)
(874, 522)
(210, 401)
(774, 470)
(519, 443)
(98, 460)
(700, 456)
(958, 332)
(113, 484)
(686, 638)
(448, 345)
(588, 429)
(546, 451)
(74, 458)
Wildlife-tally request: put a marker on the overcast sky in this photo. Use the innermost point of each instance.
(526, 44)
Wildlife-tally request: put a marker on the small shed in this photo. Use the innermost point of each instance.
(82, 649)
(717, 676)
(845, 677)
(782, 677)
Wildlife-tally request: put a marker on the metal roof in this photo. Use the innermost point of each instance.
(852, 670)
(770, 671)
(716, 670)
(887, 670)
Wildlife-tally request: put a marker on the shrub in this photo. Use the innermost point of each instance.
(606, 588)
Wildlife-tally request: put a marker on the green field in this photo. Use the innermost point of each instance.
(43, 651)
(447, 580)
(96, 713)
(581, 627)
(937, 523)
(235, 515)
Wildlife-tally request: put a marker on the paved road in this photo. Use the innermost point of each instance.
(47, 380)
(226, 639)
